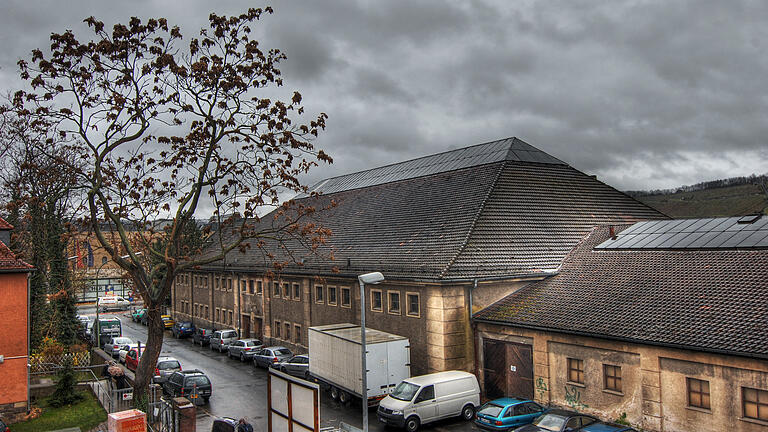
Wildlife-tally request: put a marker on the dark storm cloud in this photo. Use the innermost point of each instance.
(645, 94)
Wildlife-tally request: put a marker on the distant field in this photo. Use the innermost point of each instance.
(716, 202)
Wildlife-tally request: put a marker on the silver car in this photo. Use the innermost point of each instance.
(115, 344)
(297, 365)
(244, 349)
(220, 339)
(271, 357)
(165, 367)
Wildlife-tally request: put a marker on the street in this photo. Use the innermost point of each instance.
(240, 390)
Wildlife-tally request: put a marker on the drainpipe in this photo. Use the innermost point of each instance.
(472, 328)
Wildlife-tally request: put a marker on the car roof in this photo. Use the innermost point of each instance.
(506, 401)
(275, 348)
(191, 372)
(249, 340)
(439, 376)
(606, 427)
(166, 358)
(566, 413)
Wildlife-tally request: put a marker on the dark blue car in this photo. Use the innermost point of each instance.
(182, 329)
(558, 420)
(607, 427)
(506, 413)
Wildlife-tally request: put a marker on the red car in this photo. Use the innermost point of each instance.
(132, 358)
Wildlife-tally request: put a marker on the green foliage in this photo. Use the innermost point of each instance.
(85, 414)
(65, 387)
(622, 420)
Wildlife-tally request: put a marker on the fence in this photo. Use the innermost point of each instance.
(40, 363)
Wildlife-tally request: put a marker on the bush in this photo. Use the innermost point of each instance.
(65, 387)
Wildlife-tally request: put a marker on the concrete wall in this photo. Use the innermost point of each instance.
(654, 393)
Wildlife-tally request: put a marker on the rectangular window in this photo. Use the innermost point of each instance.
(206, 312)
(346, 300)
(332, 295)
(250, 286)
(276, 290)
(216, 285)
(230, 321)
(287, 290)
(412, 300)
(258, 287)
(229, 284)
(288, 333)
(698, 393)
(218, 317)
(205, 282)
(394, 302)
(755, 403)
(612, 378)
(297, 334)
(277, 333)
(297, 292)
(319, 291)
(244, 287)
(197, 313)
(376, 301)
(576, 371)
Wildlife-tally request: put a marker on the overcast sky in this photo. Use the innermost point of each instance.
(644, 94)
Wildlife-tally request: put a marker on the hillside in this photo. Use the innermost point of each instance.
(734, 200)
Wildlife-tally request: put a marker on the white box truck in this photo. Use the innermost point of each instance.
(335, 361)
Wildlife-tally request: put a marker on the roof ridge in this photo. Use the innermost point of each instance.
(480, 209)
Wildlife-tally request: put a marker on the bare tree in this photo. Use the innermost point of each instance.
(164, 128)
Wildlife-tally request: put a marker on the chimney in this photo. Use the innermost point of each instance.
(612, 232)
(5, 232)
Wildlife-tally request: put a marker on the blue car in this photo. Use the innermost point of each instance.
(506, 413)
(182, 329)
(607, 427)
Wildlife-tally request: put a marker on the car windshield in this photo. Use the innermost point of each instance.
(186, 325)
(109, 324)
(228, 334)
(199, 381)
(123, 340)
(282, 352)
(405, 391)
(168, 364)
(550, 422)
(250, 343)
(491, 410)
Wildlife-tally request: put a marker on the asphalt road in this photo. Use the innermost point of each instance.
(240, 390)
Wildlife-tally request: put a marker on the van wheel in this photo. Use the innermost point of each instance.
(334, 393)
(468, 412)
(344, 397)
(412, 424)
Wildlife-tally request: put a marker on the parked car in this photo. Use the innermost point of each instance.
(112, 303)
(184, 383)
(244, 349)
(271, 356)
(124, 351)
(297, 365)
(424, 399)
(138, 314)
(183, 329)
(165, 367)
(115, 344)
(132, 358)
(505, 413)
(202, 336)
(224, 424)
(559, 420)
(607, 427)
(221, 339)
(167, 321)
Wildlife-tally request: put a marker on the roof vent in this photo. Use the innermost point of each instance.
(748, 219)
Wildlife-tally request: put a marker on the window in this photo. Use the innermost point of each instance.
(250, 286)
(229, 284)
(216, 284)
(332, 295)
(230, 317)
(287, 290)
(258, 287)
(197, 310)
(698, 393)
(612, 378)
(218, 315)
(755, 403)
(394, 302)
(287, 331)
(319, 291)
(277, 329)
(413, 304)
(576, 371)
(297, 292)
(376, 301)
(346, 301)
(426, 394)
(297, 333)
(276, 289)
(244, 286)
(206, 312)
(205, 282)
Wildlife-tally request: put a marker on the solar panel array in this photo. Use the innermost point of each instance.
(496, 151)
(711, 233)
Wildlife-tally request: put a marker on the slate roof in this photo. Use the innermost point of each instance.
(507, 210)
(705, 300)
(8, 260)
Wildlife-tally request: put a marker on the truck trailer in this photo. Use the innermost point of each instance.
(335, 361)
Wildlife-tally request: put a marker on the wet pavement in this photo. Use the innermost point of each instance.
(240, 390)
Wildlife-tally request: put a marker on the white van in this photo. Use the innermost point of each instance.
(424, 399)
(113, 302)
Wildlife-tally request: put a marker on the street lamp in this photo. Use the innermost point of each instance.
(371, 279)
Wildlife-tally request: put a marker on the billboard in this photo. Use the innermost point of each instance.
(293, 404)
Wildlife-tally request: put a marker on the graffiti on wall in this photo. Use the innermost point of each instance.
(541, 388)
(573, 398)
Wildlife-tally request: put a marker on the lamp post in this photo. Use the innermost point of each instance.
(372, 279)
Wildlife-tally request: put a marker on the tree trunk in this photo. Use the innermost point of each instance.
(154, 344)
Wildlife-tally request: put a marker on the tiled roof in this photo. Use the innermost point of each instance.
(9, 262)
(505, 218)
(5, 225)
(707, 300)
